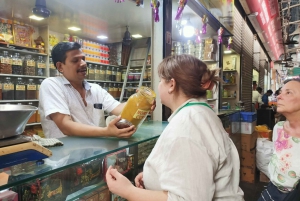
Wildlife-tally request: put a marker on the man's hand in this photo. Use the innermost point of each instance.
(112, 129)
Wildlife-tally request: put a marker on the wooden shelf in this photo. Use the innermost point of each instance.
(23, 76)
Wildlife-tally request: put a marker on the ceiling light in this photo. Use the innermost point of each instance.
(102, 37)
(74, 28)
(188, 29)
(34, 17)
(227, 51)
(137, 36)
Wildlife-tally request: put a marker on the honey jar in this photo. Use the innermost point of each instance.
(137, 108)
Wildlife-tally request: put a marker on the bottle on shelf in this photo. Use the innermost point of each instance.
(123, 75)
(119, 90)
(105, 87)
(91, 72)
(20, 93)
(17, 65)
(40, 67)
(113, 74)
(102, 73)
(30, 90)
(108, 74)
(115, 89)
(110, 89)
(119, 75)
(97, 72)
(232, 79)
(5, 63)
(8, 90)
(52, 68)
(29, 65)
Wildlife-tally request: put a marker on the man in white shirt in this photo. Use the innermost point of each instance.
(67, 103)
(257, 98)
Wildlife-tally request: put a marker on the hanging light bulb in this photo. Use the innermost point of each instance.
(188, 29)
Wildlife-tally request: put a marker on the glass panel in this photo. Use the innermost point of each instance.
(78, 150)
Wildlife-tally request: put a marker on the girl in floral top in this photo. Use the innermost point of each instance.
(284, 167)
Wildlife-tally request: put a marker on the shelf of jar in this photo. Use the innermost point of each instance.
(229, 97)
(90, 62)
(139, 66)
(209, 61)
(229, 84)
(19, 101)
(136, 82)
(104, 81)
(230, 71)
(33, 124)
(22, 51)
(23, 76)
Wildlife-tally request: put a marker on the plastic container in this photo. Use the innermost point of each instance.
(248, 116)
(20, 93)
(40, 67)
(137, 108)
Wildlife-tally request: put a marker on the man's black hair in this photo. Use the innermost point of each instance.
(259, 89)
(59, 51)
(270, 91)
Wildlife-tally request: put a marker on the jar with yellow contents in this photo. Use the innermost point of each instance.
(137, 108)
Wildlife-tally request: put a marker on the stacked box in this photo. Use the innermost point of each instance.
(210, 49)
(248, 144)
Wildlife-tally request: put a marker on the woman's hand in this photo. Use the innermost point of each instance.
(117, 183)
(139, 181)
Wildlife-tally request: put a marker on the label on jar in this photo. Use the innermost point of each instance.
(31, 87)
(29, 63)
(15, 62)
(3, 60)
(91, 71)
(20, 87)
(9, 61)
(108, 72)
(38, 87)
(19, 62)
(140, 114)
(33, 63)
(115, 89)
(8, 86)
(41, 65)
(118, 73)
(97, 71)
(102, 72)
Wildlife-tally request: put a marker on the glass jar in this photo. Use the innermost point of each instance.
(102, 73)
(5, 63)
(38, 88)
(105, 87)
(52, 68)
(145, 75)
(118, 76)
(110, 89)
(137, 75)
(8, 90)
(30, 90)
(123, 75)
(119, 90)
(113, 74)
(130, 90)
(108, 74)
(0, 90)
(29, 65)
(17, 66)
(97, 72)
(149, 74)
(137, 108)
(130, 76)
(115, 89)
(20, 93)
(91, 72)
(40, 67)
(32, 118)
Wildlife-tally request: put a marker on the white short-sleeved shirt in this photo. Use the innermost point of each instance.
(284, 167)
(57, 95)
(194, 158)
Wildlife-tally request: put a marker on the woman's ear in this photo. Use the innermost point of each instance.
(172, 85)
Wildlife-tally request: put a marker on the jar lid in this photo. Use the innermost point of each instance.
(123, 123)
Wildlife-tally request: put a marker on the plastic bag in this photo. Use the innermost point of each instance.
(264, 151)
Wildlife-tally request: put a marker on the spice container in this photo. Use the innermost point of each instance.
(105, 87)
(41, 67)
(130, 76)
(145, 75)
(119, 75)
(123, 75)
(113, 74)
(38, 89)
(5, 63)
(110, 89)
(97, 72)
(0, 91)
(8, 90)
(137, 107)
(91, 72)
(20, 89)
(115, 89)
(108, 73)
(30, 90)
(29, 65)
(136, 76)
(119, 90)
(130, 90)
(52, 68)
(17, 66)
(102, 73)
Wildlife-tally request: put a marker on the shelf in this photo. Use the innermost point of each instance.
(211, 99)
(228, 97)
(33, 124)
(23, 76)
(104, 81)
(229, 84)
(90, 62)
(229, 71)
(136, 82)
(78, 150)
(209, 61)
(22, 51)
(18, 101)
(140, 66)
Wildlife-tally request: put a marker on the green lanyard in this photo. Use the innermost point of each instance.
(194, 103)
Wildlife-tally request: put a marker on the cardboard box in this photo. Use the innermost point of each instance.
(248, 175)
(248, 141)
(248, 159)
(263, 177)
(248, 128)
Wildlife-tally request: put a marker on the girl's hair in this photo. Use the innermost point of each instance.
(191, 75)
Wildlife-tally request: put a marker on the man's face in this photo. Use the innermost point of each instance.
(74, 69)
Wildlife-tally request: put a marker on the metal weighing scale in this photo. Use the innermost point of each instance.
(15, 148)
